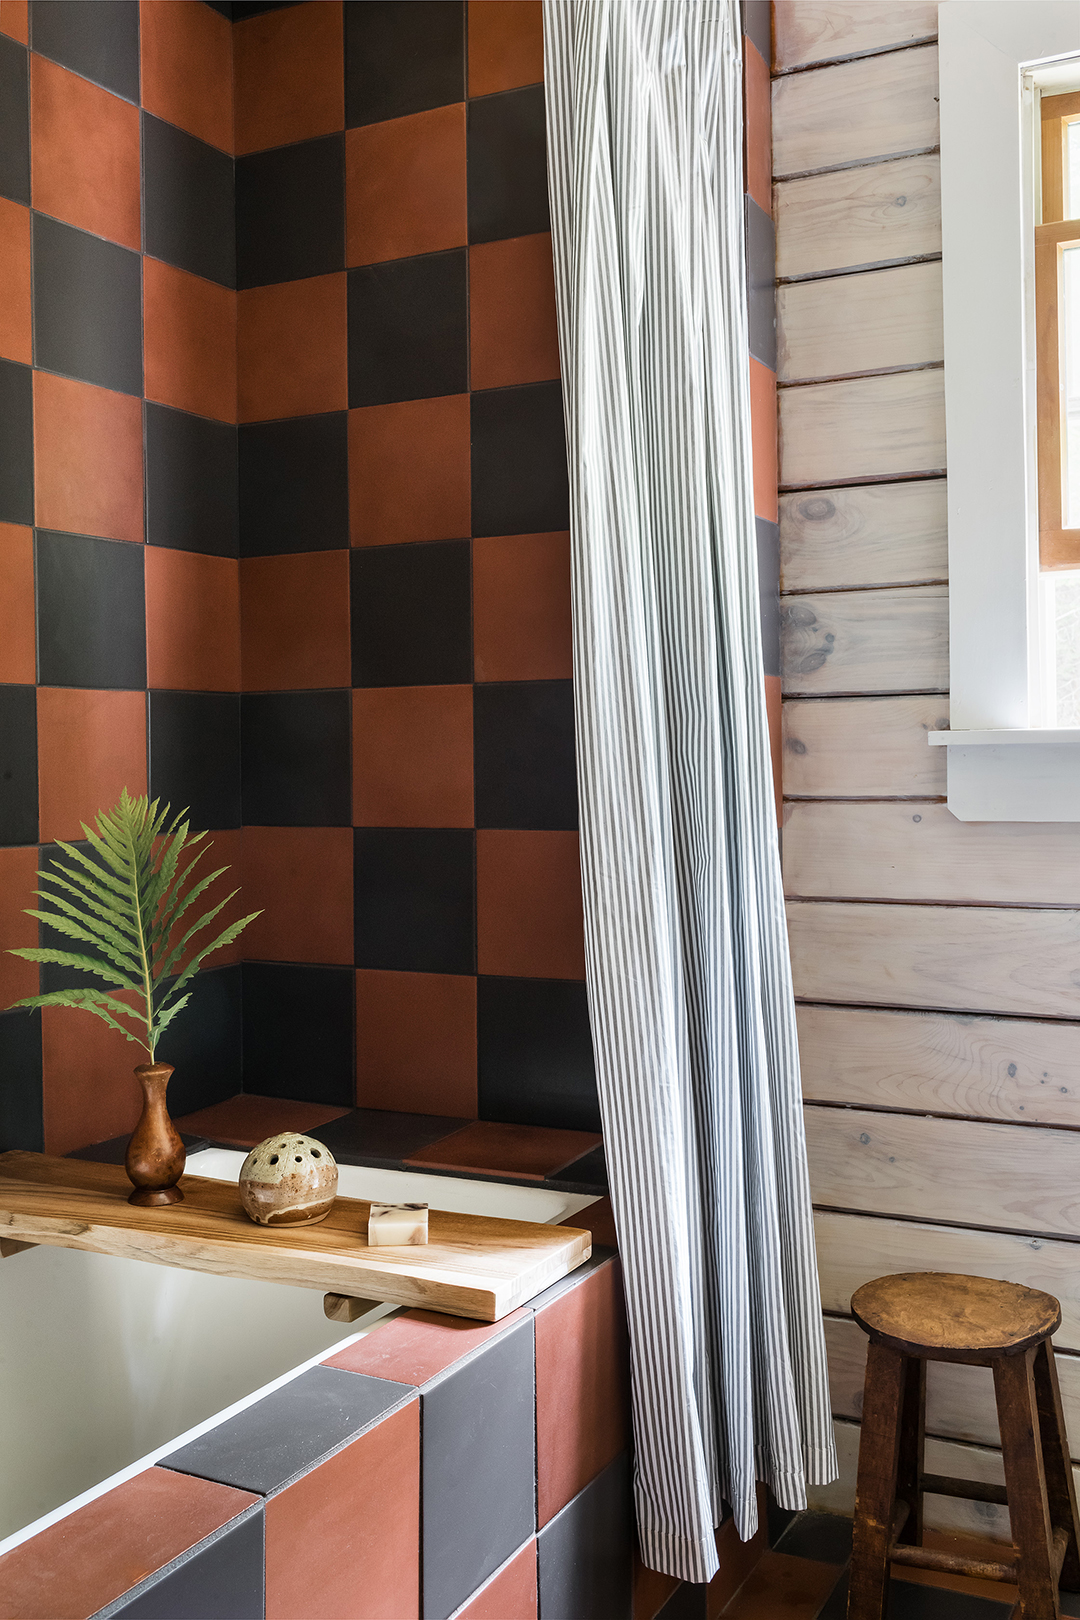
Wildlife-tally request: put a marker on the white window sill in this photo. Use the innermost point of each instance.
(990, 781)
(1028, 737)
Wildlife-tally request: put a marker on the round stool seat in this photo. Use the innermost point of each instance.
(945, 1317)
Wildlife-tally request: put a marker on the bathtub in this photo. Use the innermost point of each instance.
(106, 1362)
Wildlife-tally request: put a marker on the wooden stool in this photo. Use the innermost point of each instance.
(934, 1316)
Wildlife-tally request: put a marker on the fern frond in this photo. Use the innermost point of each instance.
(226, 937)
(71, 959)
(91, 930)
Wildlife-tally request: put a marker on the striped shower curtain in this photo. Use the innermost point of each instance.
(687, 964)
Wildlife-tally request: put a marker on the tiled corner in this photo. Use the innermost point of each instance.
(382, 1136)
(585, 1552)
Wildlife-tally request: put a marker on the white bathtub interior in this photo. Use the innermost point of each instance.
(103, 1360)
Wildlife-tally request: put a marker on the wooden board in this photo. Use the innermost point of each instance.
(881, 106)
(871, 427)
(863, 747)
(922, 852)
(854, 1249)
(959, 1400)
(815, 30)
(869, 534)
(840, 325)
(865, 641)
(1015, 1070)
(858, 217)
(1022, 1178)
(472, 1265)
(968, 959)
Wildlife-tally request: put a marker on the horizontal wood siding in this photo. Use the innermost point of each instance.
(873, 427)
(863, 747)
(879, 107)
(814, 30)
(866, 641)
(841, 325)
(872, 534)
(862, 216)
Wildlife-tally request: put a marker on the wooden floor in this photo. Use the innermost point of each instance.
(804, 1577)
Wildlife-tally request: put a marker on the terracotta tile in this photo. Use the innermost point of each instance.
(18, 636)
(89, 1090)
(18, 880)
(16, 337)
(84, 145)
(513, 334)
(409, 471)
(598, 1219)
(101, 1550)
(91, 745)
(763, 436)
(416, 1042)
(289, 75)
(15, 19)
(246, 1120)
(88, 459)
(405, 186)
(226, 851)
(783, 1588)
(294, 615)
(651, 1589)
(527, 1151)
(506, 44)
(189, 341)
(522, 629)
(413, 756)
(418, 1345)
(187, 68)
(291, 343)
(528, 905)
(774, 710)
(737, 1559)
(510, 1594)
(350, 1530)
(757, 129)
(582, 1388)
(301, 878)
(192, 621)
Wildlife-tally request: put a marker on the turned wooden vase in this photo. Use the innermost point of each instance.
(155, 1156)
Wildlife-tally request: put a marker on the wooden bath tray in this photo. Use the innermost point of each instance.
(472, 1265)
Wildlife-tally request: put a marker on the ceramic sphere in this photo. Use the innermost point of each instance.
(288, 1180)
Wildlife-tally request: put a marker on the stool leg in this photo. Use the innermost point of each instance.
(1056, 1462)
(909, 1469)
(875, 1491)
(1025, 1482)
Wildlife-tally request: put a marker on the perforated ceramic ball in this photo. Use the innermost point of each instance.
(288, 1180)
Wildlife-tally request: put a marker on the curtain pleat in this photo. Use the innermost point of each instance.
(689, 980)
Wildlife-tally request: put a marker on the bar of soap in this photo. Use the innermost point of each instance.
(396, 1224)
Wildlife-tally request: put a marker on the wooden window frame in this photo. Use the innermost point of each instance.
(1059, 547)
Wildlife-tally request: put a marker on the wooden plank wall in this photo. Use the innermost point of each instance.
(936, 963)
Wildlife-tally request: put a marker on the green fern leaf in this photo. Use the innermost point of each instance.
(224, 938)
(64, 925)
(113, 943)
(85, 964)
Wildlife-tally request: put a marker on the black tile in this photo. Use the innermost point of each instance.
(192, 495)
(411, 614)
(268, 1445)
(240, 10)
(189, 212)
(760, 283)
(478, 1425)
(777, 1518)
(524, 742)
(589, 1171)
(835, 1607)
(519, 478)
(414, 899)
(290, 212)
(17, 438)
(824, 1537)
(535, 1054)
(1069, 1603)
(757, 26)
(768, 556)
(508, 191)
(18, 765)
(408, 328)
(14, 121)
(402, 56)
(687, 1602)
(222, 1579)
(195, 755)
(296, 759)
(909, 1601)
(584, 1553)
(91, 614)
(100, 41)
(87, 305)
(298, 1032)
(380, 1136)
(204, 1043)
(114, 1151)
(294, 485)
(22, 1123)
